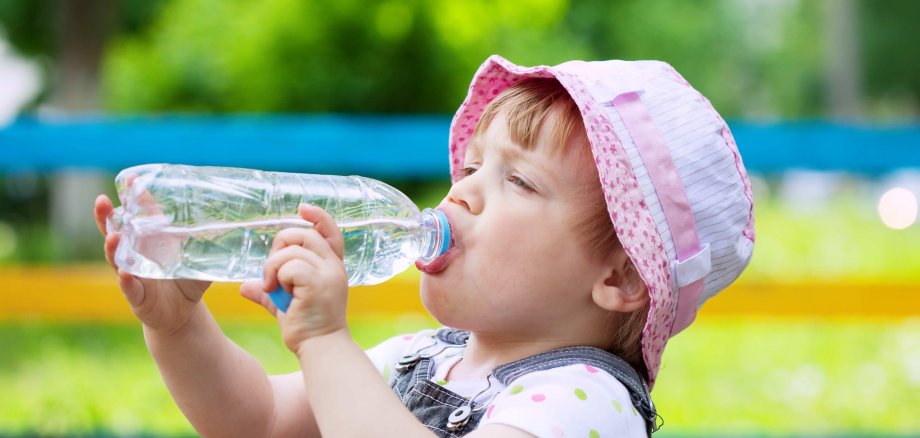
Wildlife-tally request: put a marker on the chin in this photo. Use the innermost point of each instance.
(435, 299)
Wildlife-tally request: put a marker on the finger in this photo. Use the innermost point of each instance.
(149, 204)
(306, 237)
(145, 200)
(252, 291)
(111, 244)
(282, 256)
(132, 288)
(102, 208)
(325, 224)
(296, 271)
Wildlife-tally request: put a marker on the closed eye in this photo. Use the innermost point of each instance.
(520, 183)
(464, 172)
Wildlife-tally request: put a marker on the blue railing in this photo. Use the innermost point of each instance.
(412, 147)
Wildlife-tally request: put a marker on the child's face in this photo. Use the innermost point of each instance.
(518, 264)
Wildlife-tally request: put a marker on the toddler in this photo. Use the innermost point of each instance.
(595, 206)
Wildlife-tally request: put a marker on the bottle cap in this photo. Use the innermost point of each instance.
(281, 298)
(445, 231)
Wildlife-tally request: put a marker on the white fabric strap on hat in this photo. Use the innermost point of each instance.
(693, 260)
(608, 88)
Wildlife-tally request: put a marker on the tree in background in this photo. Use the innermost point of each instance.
(762, 59)
(891, 59)
(754, 59)
(290, 55)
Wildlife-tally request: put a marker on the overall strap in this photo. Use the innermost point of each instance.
(594, 357)
(443, 412)
(452, 336)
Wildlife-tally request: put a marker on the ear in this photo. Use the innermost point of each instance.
(619, 288)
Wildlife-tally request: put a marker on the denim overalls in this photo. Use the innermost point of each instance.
(450, 415)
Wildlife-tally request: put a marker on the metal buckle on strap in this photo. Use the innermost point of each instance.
(409, 361)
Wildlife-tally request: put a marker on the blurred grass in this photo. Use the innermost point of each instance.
(838, 238)
(793, 376)
(66, 379)
(724, 376)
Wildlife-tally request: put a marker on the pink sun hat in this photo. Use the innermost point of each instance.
(676, 189)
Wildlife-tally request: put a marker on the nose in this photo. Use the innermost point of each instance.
(467, 193)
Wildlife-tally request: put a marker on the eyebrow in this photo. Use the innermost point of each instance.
(505, 149)
(510, 151)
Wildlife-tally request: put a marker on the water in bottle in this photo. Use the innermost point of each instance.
(217, 224)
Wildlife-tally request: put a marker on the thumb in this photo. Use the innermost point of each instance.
(252, 291)
(131, 287)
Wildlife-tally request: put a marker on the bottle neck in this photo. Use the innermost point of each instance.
(435, 234)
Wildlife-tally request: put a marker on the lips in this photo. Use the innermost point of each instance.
(440, 263)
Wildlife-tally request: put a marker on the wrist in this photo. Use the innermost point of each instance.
(313, 345)
(180, 330)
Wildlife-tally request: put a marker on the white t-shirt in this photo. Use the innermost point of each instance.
(570, 401)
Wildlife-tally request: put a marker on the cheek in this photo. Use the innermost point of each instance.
(504, 240)
(518, 251)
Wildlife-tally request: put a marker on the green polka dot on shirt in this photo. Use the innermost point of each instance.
(580, 393)
(516, 389)
(594, 434)
(617, 406)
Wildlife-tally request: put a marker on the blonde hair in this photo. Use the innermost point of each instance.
(531, 104)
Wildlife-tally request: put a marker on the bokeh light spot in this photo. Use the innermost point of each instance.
(898, 208)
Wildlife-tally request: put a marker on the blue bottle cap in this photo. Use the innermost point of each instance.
(281, 298)
(445, 231)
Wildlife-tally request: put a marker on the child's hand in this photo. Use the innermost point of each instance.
(162, 305)
(307, 262)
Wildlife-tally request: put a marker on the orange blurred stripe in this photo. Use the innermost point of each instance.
(90, 293)
(853, 298)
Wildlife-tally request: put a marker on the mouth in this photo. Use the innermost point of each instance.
(440, 263)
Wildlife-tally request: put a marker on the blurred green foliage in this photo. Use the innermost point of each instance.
(419, 56)
(24, 237)
(891, 59)
(751, 58)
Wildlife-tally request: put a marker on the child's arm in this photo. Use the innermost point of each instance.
(350, 398)
(220, 388)
(348, 395)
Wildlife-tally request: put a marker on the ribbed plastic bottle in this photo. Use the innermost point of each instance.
(217, 223)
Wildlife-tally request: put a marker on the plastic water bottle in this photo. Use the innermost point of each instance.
(218, 223)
